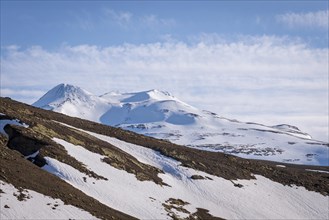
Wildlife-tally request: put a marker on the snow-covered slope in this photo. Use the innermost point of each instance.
(183, 195)
(158, 114)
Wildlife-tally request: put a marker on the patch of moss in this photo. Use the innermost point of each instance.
(45, 131)
(74, 141)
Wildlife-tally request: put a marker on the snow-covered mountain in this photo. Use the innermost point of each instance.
(160, 115)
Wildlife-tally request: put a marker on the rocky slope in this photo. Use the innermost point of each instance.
(70, 165)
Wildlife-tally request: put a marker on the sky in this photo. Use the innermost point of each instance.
(260, 61)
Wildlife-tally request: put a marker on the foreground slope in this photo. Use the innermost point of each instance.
(105, 172)
(160, 115)
(28, 192)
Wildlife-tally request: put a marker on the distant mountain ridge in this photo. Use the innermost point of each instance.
(159, 114)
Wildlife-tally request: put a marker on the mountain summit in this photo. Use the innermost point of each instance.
(62, 94)
(71, 100)
(160, 115)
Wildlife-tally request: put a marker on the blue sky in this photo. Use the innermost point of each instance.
(263, 61)
(104, 23)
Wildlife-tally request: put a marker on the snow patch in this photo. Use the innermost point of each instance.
(282, 166)
(4, 122)
(319, 171)
(32, 155)
(36, 206)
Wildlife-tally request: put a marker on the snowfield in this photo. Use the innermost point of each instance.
(260, 198)
(158, 114)
(34, 205)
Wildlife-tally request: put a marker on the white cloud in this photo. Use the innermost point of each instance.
(317, 19)
(264, 79)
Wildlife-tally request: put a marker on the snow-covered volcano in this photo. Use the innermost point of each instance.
(158, 114)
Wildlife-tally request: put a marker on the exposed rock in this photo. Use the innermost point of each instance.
(197, 177)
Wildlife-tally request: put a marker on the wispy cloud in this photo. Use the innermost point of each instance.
(126, 19)
(318, 19)
(122, 18)
(85, 21)
(81, 19)
(155, 21)
(265, 78)
(258, 19)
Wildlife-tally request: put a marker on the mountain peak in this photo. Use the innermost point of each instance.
(153, 94)
(67, 88)
(146, 95)
(61, 93)
(159, 92)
